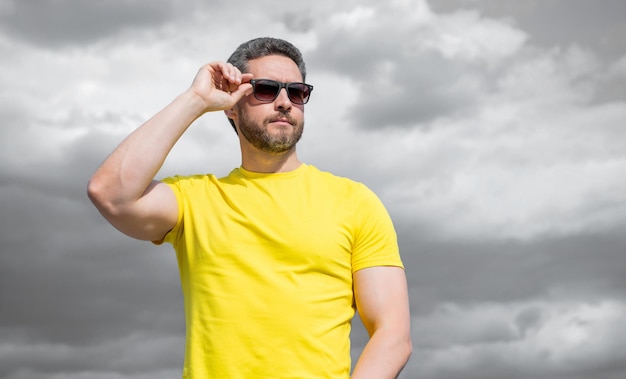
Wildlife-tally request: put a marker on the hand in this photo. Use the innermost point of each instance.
(220, 85)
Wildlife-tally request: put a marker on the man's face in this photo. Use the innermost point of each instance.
(276, 126)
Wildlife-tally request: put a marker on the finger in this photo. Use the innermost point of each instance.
(236, 74)
(220, 71)
(241, 91)
(245, 78)
(230, 73)
(232, 86)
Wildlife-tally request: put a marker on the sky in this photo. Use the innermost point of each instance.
(494, 131)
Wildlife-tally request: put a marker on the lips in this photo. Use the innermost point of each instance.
(286, 120)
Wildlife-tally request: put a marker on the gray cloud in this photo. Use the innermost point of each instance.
(74, 292)
(406, 74)
(558, 22)
(413, 95)
(498, 150)
(484, 272)
(298, 22)
(75, 22)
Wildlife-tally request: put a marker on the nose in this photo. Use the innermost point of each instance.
(282, 102)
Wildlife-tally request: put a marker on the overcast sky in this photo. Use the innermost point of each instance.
(494, 131)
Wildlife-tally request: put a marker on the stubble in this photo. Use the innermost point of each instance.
(277, 141)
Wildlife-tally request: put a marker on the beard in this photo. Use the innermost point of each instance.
(280, 141)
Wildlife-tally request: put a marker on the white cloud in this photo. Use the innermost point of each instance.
(464, 35)
(536, 157)
(518, 340)
(353, 18)
(465, 127)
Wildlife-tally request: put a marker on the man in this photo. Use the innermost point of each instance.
(274, 257)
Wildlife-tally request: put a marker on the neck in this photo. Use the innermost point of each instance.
(256, 160)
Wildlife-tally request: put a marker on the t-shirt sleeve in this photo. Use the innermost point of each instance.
(175, 184)
(375, 240)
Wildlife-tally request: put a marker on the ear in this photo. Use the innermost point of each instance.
(230, 113)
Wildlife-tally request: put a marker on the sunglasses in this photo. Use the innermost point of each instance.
(267, 90)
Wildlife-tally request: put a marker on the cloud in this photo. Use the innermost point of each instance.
(513, 166)
(556, 22)
(134, 356)
(297, 22)
(411, 65)
(562, 340)
(496, 143)
(75, 22)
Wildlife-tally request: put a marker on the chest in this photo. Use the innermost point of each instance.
(308, 231)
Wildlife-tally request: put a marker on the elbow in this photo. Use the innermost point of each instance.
(408, 348)
(404, 348)
(95, 191)
(100, 196)
(404, 345)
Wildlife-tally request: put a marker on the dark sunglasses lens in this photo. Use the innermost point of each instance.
(266, 91)
(298, 93)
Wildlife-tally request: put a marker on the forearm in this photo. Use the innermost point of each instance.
(128, 171)
(384, 355)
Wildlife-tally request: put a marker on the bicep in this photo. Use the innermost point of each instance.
(381, 296)
(152, 216)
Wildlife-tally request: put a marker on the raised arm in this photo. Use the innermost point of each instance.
(123, 188)
(382, 301)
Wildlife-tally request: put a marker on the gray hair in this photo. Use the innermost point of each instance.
(262, 47)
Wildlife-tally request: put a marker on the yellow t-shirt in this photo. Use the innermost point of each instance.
(266, 264)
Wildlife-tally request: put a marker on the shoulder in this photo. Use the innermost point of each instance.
(191, 183)
(359, 191)
(333, 179)
(194, 179)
